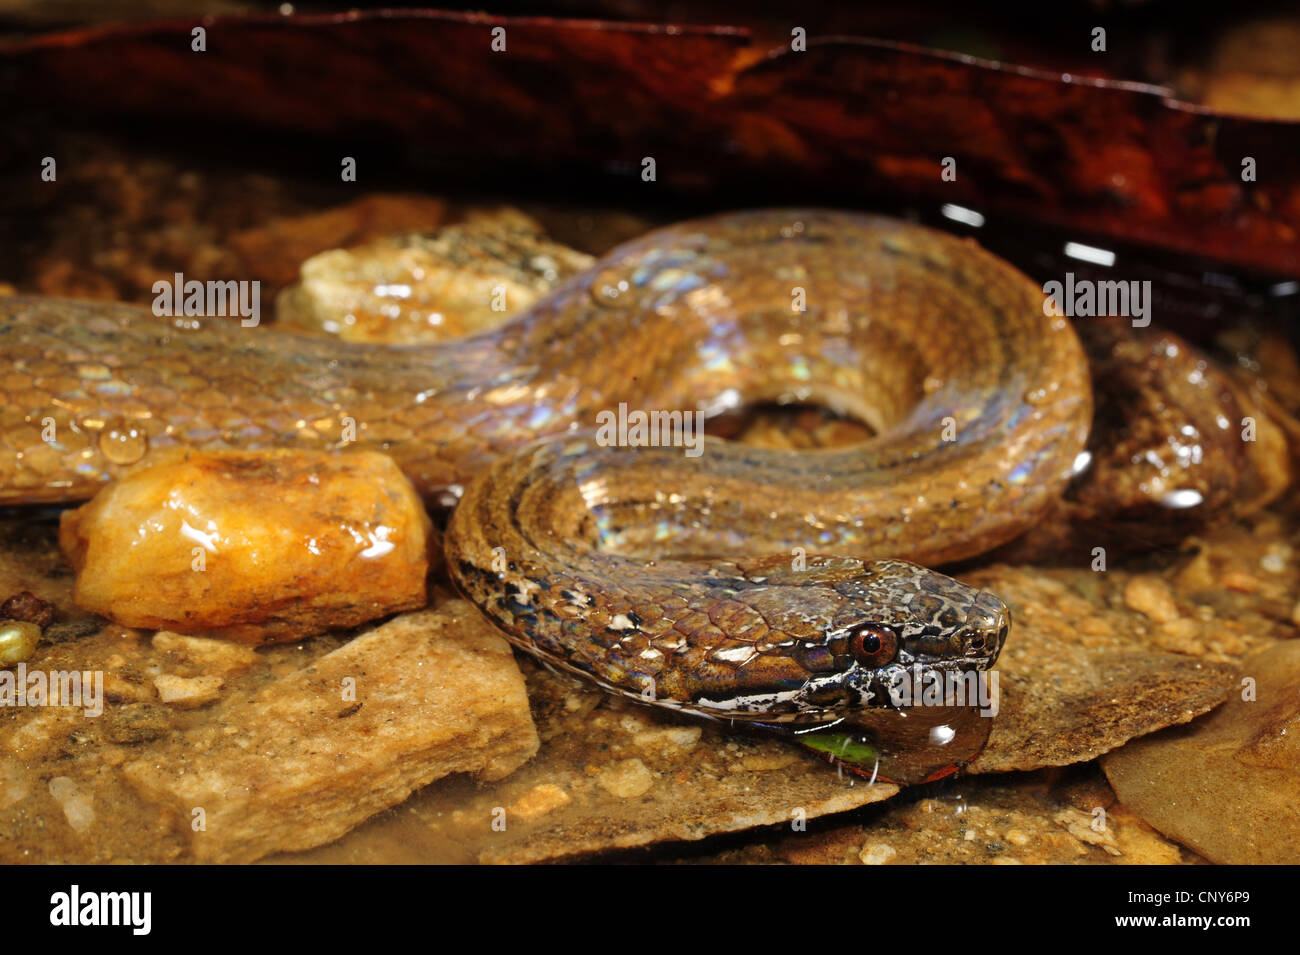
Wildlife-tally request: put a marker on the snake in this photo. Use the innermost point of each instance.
(739, 582)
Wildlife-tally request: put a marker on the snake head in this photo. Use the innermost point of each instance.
(903, 623)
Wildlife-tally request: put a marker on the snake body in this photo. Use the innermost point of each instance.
(743, 582)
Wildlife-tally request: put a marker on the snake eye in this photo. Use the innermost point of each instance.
(873, 646)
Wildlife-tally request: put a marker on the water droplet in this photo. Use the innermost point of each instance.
(123, 443)
(609, 288)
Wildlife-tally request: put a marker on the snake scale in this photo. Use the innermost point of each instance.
(746, 582)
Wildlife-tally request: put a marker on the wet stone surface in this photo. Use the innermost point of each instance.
(612, 776)
(1229, 785)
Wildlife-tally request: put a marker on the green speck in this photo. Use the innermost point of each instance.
(843, 746)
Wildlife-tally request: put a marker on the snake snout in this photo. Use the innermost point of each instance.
(986, 628)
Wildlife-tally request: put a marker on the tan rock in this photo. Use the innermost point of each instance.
(118, 689)
(323, 748)
(668, 740)
(538, 801)
(463, 279)
(215, 657)
(1241, 581)
(43, 732)
(1276, 558)
(1018, 837)
(187, 691)
(1086, 828)
(77, 805)
(1197, 574)
(877, 853)
(1095, 627)
(765, 763)
(15, 783)
(1151, 597)
(627, 779)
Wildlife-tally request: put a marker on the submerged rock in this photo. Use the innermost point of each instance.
(1227, 786)
(320, 749)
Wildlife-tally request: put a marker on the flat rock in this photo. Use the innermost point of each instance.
(1229, 785)
(1084, 672)
(323, 748)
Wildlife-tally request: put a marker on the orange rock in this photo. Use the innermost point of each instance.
(258, 547)
(1241, 581)
(1151, 597)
